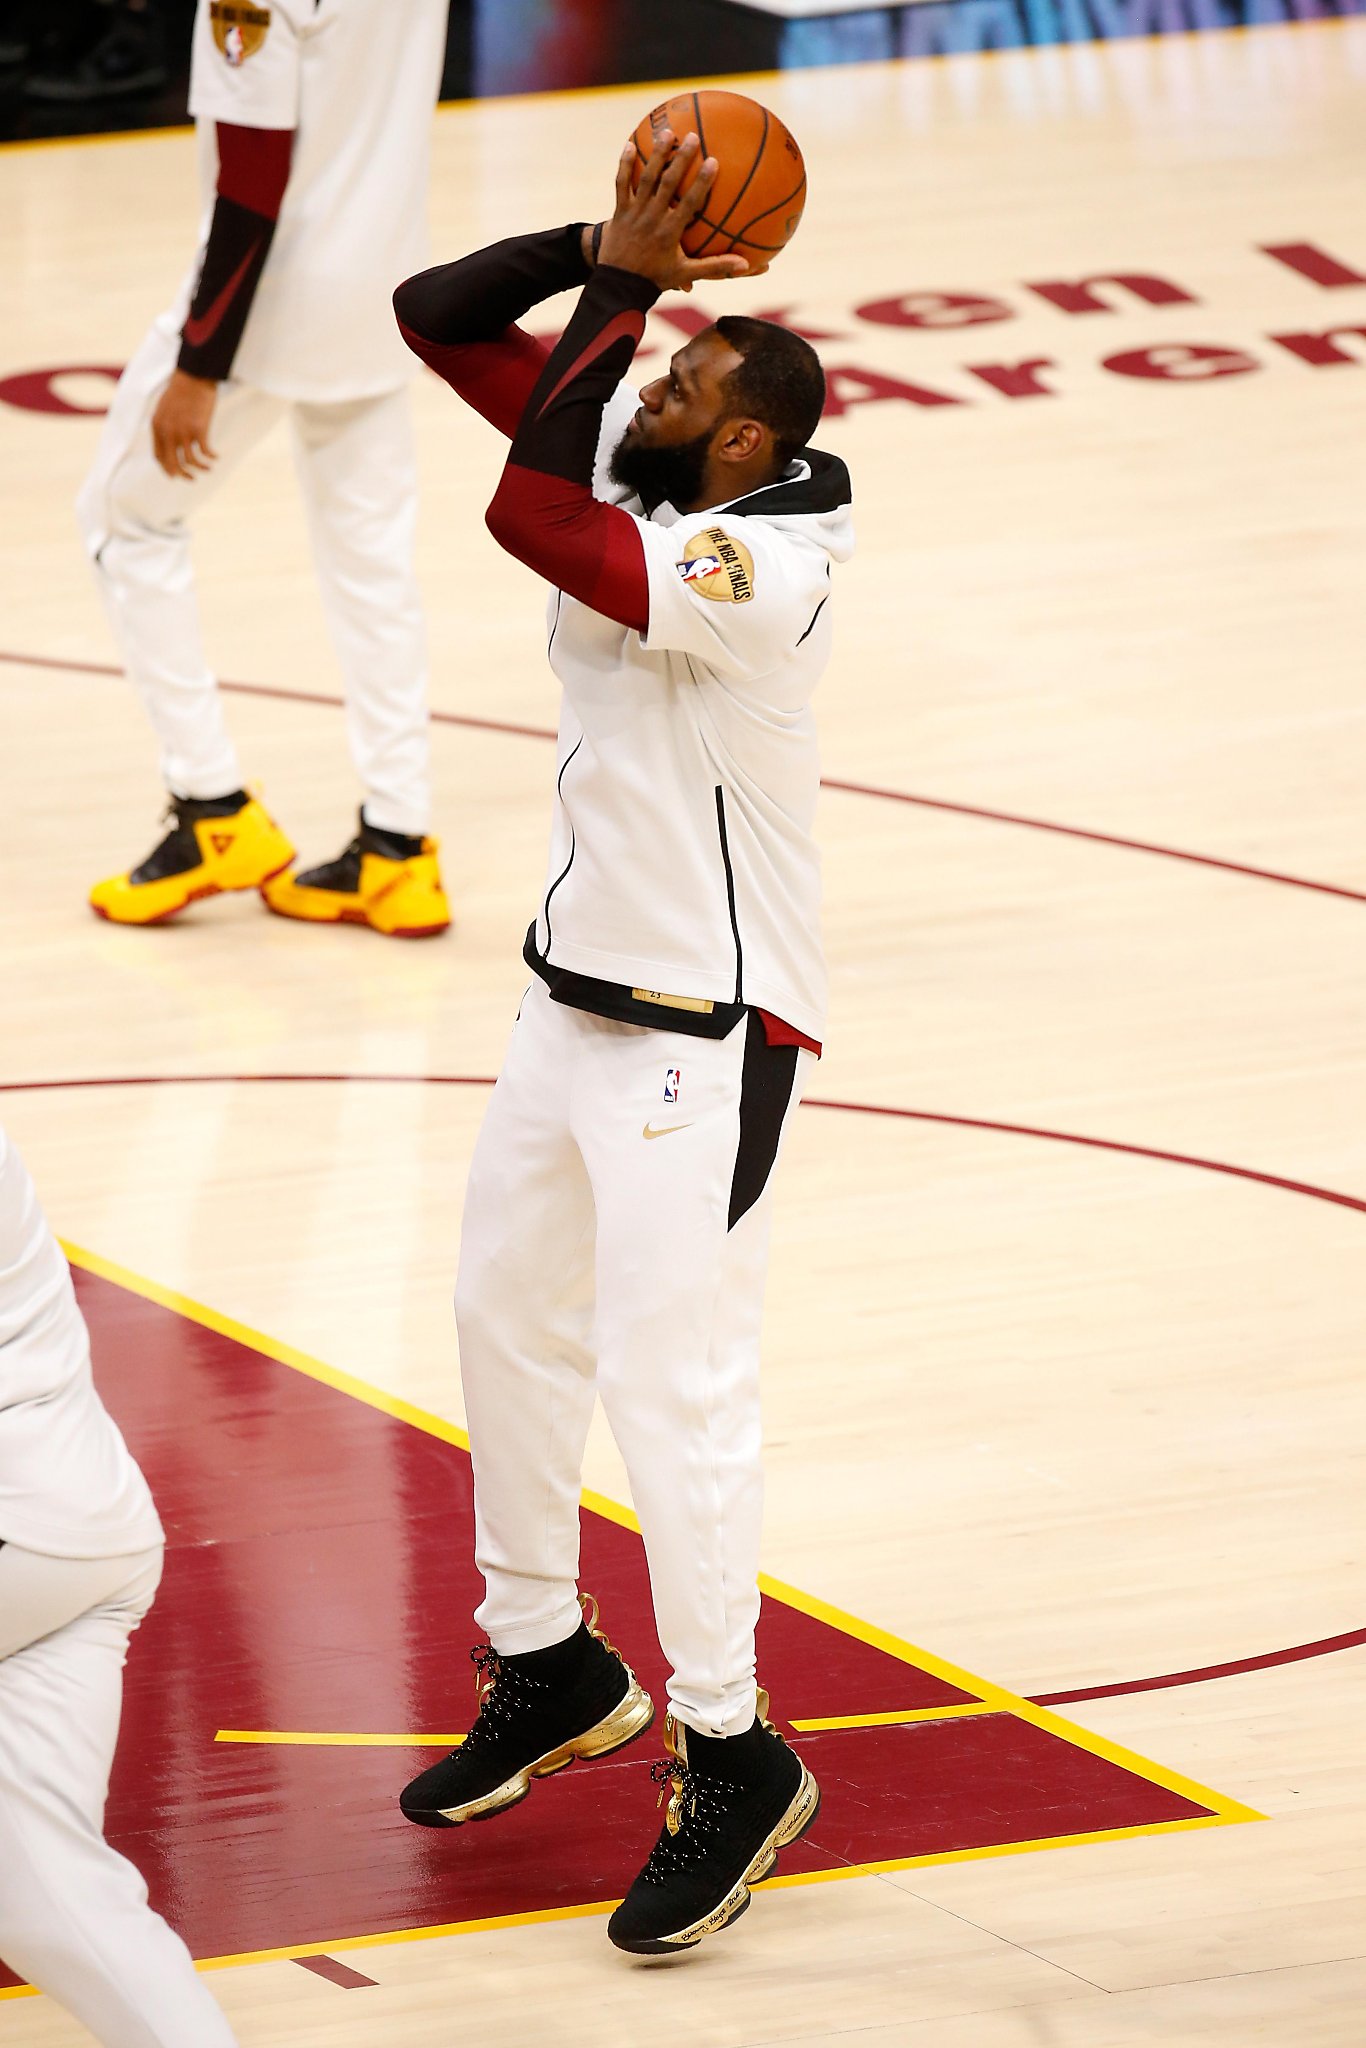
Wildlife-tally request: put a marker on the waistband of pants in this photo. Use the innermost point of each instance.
(693, 1016)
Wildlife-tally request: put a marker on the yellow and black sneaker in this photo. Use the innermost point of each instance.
(537, 1712)
(734, 1803)
(216, 843)
(387, 880)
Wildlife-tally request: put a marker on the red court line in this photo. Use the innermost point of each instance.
(335, 1972)
(921, 1116)
(977, 1123)
(1203, 860)
(285, 696)
(891, 796)
(1325, 1647)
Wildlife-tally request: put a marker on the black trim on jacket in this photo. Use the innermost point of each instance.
(730, 894)
(825, 490)
(614, 999)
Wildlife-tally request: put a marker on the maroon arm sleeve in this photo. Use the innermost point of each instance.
(460, 318)
(253, 171)
(544, 511)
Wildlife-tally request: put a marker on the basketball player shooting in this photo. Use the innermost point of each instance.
(616, 1223)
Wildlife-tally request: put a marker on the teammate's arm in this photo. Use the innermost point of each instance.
(253, 171)
(544, 510)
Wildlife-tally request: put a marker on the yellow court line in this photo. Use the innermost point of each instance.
(599, 1908)
(999, 1699)
(256, 1340)
(329, 1739)
(964, 1711)
(307, 1738)
(304, 1362)
(890, 1865)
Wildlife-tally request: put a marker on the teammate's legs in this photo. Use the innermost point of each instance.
(359, 477)
(523, 1310)
(134, 522)
(74, 1917)
(679, 1301)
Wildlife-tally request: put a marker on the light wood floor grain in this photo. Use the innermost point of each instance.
(1072, 1416)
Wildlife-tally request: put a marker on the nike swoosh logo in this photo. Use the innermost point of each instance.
(650, 1131)
(197, 332)
(624, 325)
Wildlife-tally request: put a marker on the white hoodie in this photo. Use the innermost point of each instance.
(681, 853)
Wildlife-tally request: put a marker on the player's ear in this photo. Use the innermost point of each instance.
(743, 439)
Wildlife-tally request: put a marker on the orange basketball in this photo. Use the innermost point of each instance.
(760, 188)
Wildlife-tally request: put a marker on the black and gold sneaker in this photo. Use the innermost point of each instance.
(734, 1803)
(537, 1712)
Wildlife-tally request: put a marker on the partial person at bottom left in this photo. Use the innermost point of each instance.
(81, 1551)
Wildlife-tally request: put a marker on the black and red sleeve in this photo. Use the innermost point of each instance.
(253, 171)
(460, 318)
(544, 510)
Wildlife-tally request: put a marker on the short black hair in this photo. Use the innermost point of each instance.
(779, 380)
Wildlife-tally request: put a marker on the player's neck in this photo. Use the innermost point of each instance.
(724, 482)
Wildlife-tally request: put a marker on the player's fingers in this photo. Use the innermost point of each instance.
(712, 269)
(695, 198)
(656, 164)
(677, 168)
(624, 165)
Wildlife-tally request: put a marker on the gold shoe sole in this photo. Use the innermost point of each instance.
(628, 1719)
(794, 1823)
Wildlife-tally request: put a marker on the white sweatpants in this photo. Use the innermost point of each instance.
(358, 475)
(74, 1917)
(597, 1252)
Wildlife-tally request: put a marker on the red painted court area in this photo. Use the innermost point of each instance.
(319, 1577)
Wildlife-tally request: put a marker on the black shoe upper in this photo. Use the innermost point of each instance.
(528, 1706)
(179, 851)
(392, 845)
(728, 1798)
(342, 875)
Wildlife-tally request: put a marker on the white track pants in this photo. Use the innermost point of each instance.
(74, 1917)
(358, 476)
(595, 1256)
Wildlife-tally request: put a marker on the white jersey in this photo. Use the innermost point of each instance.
(68, 1484)
(357, 80)
(682, 859)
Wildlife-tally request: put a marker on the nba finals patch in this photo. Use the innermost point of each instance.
(717, 566)
(238, 30)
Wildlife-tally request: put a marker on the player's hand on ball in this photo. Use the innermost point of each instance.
(646, 231)
(180, 425)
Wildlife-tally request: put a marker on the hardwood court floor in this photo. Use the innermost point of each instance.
(1062, 1409)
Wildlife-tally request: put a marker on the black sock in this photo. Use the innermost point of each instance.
(558, 1662)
